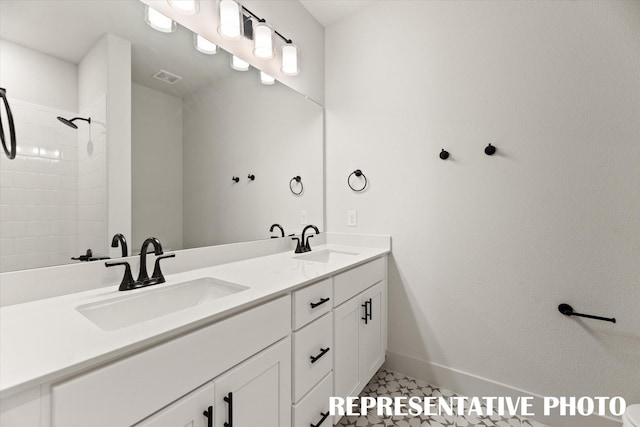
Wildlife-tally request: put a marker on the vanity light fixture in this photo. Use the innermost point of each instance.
(266, 79)
(185, 7)
(204, 46)
(263, 40)
(158, 21)
(290, 59)
(230, 18)
(238, 64)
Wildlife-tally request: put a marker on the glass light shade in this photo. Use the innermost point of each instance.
(230, 19)
(205, 46)
(263, 41)
(290, 60)
(266, 79)
(158, 21)
(238, 64)
(185, 7)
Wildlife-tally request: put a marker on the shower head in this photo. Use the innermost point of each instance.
(70, 122)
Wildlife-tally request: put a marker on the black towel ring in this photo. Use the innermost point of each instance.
(11, 152)
(299, 181)
(359, 174)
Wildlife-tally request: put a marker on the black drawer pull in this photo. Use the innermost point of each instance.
(367, 311)
(370, 309)
(229, 400)
(209, 414)
(319, 303)
(324, 417)
(323, 351)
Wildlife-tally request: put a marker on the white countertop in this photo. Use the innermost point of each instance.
(45, 340)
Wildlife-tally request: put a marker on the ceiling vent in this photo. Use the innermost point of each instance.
(167, 77)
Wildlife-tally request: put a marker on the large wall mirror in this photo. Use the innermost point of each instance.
(160, 154)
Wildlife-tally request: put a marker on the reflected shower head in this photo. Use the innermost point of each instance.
(70, 122)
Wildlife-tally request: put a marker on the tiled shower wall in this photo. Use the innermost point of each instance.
(39, 191)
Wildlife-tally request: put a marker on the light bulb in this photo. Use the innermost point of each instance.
(230, 19)
(158, 21)
(263, 41)
(185, 7)
(290, 60)
(205, 46)
(238, 64)
(266, 79)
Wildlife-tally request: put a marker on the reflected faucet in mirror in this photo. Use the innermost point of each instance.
(120, 239)
(274, 226)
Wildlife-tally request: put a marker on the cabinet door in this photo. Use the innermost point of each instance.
(346, 321)
(188, 411)
(372, 351)
(256, 392)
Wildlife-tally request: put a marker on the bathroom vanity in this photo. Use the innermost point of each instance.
(286, 332)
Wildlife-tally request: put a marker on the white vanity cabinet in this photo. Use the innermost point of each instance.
(360, 328)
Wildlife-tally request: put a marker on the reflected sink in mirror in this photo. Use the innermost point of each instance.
(326, 255)
(120, 312)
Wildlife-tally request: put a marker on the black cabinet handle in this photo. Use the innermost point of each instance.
(366, 312)
(229, 400)
(319, 303)
(324, 417)
(209, 414)
(323, 351)
(370, 309)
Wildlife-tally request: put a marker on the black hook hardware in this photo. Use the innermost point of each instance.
(324, 417)
(323, 351)
(251, 177)
(11, 151)
(490, 150)
(229, 399)
(299, 181)
(235, 178)
(567, 310)
(358, 173)
(444, 154)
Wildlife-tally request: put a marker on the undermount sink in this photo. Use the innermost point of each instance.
(326, 255)
(128, 310)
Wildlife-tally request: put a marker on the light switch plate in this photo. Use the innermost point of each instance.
(352, 218)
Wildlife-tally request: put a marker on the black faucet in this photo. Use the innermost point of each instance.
(305, 244)
(143, 277)
(276, 226)
(143, 280)
(119, 238)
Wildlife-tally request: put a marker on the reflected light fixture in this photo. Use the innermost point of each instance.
(185, 7)
(266, 79)
(263, 40)
(158, 21)
(205, 46)
(290, 60)
(230, 19)
(238, 64)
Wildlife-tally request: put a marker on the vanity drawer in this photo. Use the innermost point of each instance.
(124, 392)
(313, 407)
(352, 282)
(311, 302)
(314, 340)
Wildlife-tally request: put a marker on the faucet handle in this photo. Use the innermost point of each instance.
(299, 247)
(127, 282)
(157, 276)
(307, 248)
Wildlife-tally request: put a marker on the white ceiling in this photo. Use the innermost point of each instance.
(328, 12)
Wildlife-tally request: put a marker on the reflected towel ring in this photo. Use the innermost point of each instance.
(299, 181)
(11, 151)
(359, 174)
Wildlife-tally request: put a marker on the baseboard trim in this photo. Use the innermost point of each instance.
(466, 384)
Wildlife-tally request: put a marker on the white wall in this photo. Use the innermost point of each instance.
(485, 248)
(38, 78)
(156, 152)
(290, 18)
(280, 137)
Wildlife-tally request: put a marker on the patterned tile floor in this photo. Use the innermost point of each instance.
(388, 383)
